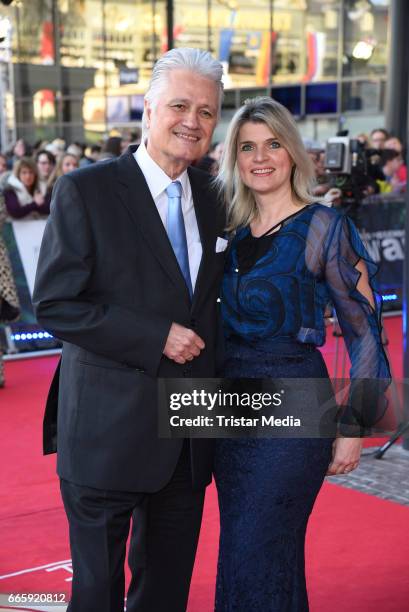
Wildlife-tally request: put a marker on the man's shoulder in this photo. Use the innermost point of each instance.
(94, 172)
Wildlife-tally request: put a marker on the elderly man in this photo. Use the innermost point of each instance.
(128, 278)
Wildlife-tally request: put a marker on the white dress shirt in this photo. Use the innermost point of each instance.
(158, 181)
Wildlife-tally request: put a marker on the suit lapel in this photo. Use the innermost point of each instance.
(135, 195)
(206, 225)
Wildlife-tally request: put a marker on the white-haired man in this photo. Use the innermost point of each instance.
(128, 278)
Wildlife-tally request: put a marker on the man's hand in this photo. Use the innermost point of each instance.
(182, 344)
(345, 456)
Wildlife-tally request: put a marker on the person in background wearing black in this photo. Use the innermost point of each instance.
(45, 161)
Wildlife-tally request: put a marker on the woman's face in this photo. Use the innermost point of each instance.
(19, 148)
(69, 164)
(44, 166)
(264, 165)
(393, 143)
(27, 177)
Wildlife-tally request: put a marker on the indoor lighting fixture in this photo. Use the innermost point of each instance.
(363, 50)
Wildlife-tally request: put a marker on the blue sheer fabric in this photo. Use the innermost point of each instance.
(275, 291)
(309, 262)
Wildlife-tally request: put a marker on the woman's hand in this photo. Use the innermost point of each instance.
(345, 456)
(38, 198)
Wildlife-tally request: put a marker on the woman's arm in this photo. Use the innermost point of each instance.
(348, 273)
(14, 208)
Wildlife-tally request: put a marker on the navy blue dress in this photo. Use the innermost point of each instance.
(275, 291)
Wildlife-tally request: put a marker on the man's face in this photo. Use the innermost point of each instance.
(182, 122)
(378, 140)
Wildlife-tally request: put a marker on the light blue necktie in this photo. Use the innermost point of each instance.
(176, 230)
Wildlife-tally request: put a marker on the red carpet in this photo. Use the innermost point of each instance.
(357, 547)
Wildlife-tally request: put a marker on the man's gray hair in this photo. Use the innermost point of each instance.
(183, 58)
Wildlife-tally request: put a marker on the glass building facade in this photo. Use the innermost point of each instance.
(81, 67)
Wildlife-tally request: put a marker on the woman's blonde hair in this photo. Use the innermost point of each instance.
(57, 172)
(240, 202)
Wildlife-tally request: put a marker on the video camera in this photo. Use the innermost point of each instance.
(353, 169)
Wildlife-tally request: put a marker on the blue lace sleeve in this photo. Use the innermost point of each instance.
(359, 321)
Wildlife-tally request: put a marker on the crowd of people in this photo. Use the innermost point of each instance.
(28, 173)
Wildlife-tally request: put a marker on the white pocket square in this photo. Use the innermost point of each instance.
(221, 245)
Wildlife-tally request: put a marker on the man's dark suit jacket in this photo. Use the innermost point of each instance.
(108, 284)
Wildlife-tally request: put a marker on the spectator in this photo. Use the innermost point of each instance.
(363, 139)
(22, 195)
(57, 147)
(216, 151)
(322, 178)
(400, 176)
(45, 165)
(95, 152)
(3, 164)
(91, 155)
(38, 146)
(5, 172)
(394, 143)
(208, 164)
(76, 150)
(21, 149)
(377, 138)
(112, 148)
(67, 163)
(9, 305)
(390, 162)
(211, 161)
(130, 138)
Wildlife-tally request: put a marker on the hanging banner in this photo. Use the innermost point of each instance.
(381, 222)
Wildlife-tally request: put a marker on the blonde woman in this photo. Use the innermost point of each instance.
(66, 163)
(290, 255)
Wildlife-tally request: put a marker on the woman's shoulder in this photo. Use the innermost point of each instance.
(324, 211)
(325, 216)
(9, 192)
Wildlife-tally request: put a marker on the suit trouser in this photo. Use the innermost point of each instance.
(162, 550)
